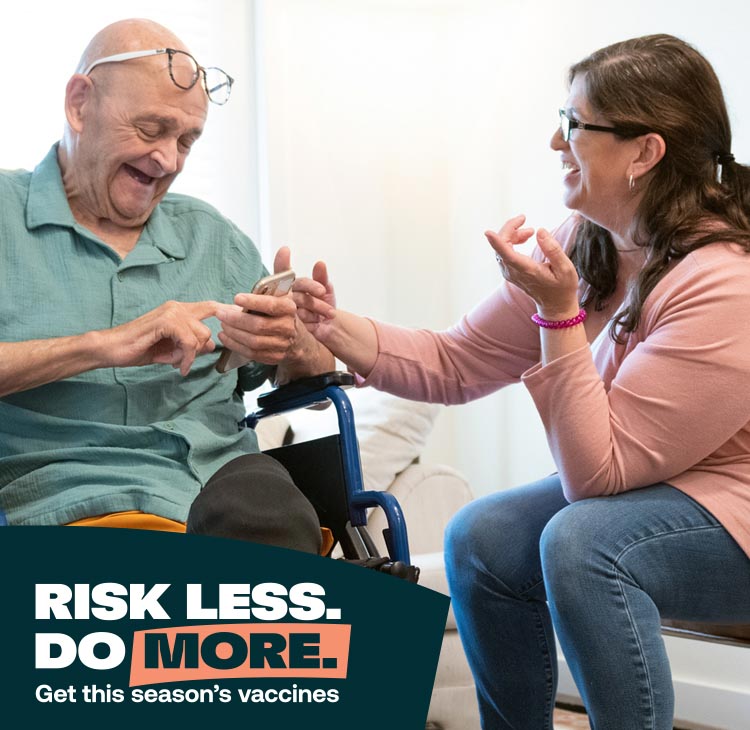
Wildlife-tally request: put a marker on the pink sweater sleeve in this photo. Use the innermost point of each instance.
(490, 347)
(674, 395)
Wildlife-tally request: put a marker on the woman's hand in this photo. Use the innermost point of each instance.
(316, 302)
(351, 338)
(551, 283)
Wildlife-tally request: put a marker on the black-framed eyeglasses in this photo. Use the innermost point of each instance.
(184, 71)
(567, 124)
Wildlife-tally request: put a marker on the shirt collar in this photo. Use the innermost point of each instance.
(47, 204)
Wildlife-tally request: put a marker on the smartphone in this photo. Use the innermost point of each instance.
(273, 285)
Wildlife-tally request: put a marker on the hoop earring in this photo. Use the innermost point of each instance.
(631, 183)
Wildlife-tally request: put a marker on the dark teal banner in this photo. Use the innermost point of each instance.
(107, 628)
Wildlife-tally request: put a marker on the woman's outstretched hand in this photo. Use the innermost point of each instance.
(551, 283)
(316, 301)
(351, 338)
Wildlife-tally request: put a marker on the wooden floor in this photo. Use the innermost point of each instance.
(567, 720)
(576, 719)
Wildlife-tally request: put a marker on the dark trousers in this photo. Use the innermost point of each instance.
(253, 498)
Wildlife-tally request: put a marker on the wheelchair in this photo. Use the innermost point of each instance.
(328, 471)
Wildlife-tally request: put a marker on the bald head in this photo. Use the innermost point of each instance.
(130, 125)
(134, 34)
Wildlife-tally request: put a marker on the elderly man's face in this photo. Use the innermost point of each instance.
(137, 133)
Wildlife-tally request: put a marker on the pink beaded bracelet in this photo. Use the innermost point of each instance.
(561, 323)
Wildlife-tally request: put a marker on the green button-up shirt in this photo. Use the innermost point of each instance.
(142, 438)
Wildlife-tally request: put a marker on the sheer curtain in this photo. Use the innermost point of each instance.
(41, 43)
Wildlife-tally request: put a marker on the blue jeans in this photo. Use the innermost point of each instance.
(601, 571)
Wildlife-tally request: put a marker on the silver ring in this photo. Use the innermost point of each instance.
(502, 266)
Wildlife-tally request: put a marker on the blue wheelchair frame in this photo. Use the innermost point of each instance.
(329, 387)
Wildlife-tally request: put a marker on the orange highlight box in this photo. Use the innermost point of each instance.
(227, 651)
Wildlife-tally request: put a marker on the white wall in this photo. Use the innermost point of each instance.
(399, 130)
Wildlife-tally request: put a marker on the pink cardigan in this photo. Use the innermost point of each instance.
(672, 404)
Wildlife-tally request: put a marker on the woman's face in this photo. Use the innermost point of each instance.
(596, 166)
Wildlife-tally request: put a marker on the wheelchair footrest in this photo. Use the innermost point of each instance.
(385, 565)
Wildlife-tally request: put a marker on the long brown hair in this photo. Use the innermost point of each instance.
(661, 84)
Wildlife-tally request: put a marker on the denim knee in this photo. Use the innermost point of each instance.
(479, 543)
(569, 546)
(496, 538)
(462, 536)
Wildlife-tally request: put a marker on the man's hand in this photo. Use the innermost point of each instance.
(261, 327)
(173, 334)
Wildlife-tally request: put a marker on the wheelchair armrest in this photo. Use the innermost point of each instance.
(395, 536)
(301, 393)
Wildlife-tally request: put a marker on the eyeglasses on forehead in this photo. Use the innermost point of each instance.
(184, 71)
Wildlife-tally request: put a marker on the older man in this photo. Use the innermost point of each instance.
(109, 280)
